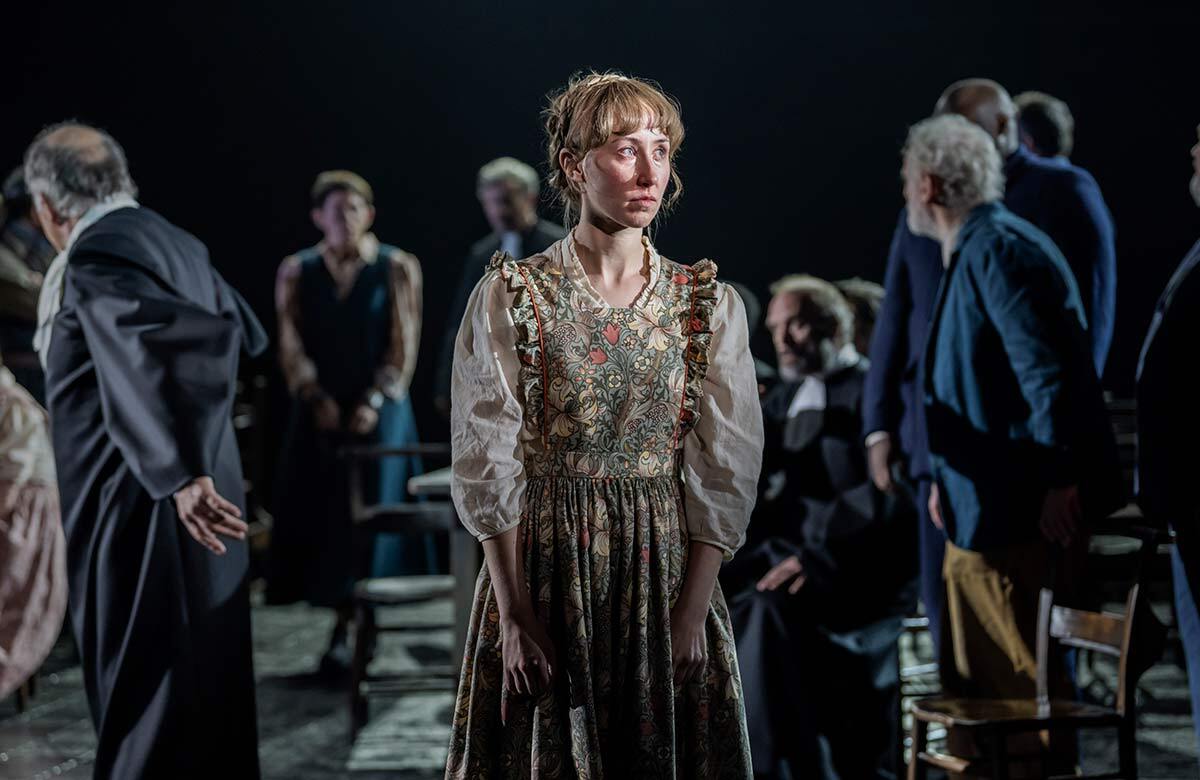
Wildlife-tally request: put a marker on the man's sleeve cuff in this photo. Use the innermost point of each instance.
(875, 437)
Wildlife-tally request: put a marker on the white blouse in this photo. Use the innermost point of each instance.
(721, 458)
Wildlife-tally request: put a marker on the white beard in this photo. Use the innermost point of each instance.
(920, 224)
(1194, 186)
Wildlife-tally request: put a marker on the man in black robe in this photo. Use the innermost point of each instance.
(818, 592)
(508, 194)
(140, 338)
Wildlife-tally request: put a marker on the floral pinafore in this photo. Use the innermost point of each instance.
(609, 396)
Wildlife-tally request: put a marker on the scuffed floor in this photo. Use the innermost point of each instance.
(303, 721)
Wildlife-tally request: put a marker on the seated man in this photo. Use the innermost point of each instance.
(818, 591)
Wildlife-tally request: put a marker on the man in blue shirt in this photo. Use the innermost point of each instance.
(1063, 201)
(1021, 451)
(1168, 427)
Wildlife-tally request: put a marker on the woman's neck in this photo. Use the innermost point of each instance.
(611, 252)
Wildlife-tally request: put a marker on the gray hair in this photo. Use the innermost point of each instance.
(505, 169)
(75, 177)
(961, 155)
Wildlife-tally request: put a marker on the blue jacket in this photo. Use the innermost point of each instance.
(1059, 198)
(891, 395)
(1011, 396)
(1065, 202)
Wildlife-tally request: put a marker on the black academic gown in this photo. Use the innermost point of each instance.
(819, 667)
(140, 386)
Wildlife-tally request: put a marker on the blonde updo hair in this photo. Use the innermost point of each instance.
(591, 109)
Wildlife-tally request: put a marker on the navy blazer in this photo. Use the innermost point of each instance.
(891, 394)
(1011, 395)
(1062, 200)
(1065, 202)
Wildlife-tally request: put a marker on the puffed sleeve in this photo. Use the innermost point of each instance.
(722, 455)
(486, 416)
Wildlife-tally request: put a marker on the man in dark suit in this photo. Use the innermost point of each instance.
(508, 192)
(1057, 197)
(140, 337)
(1168, 429)
(1061, 199)
(818, 592)
(1021, 450)
(1047, 126)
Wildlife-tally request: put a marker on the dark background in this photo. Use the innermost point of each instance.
(795, 115)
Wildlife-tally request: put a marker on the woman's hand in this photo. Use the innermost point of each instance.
(689, 650)
(529, 658)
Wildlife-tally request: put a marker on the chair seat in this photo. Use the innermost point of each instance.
(1012, 714)
(393, 591)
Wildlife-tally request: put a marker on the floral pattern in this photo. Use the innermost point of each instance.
(612, 392)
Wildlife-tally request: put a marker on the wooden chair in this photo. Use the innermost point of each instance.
(373, 593)
(1134, 639)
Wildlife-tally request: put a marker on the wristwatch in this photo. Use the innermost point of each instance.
(375, 399)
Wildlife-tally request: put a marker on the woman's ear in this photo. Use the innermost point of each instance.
(571, 165)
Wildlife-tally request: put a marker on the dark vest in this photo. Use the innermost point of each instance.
(346, 339)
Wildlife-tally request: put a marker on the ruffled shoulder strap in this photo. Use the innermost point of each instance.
(533, 291)
(698, 285)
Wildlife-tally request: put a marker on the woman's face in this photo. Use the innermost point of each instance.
(623, 181)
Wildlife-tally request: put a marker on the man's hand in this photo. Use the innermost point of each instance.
(364, 421)
(879, 460)
(204, 513)
(783, 571)
(326, 413)
(935, 507)
(1061, 515)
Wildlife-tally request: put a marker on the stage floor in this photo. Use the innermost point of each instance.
(303, 721)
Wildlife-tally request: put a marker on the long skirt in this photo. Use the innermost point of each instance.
(605, 561)
(315, 555)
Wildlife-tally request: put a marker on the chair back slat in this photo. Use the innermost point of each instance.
(1088, 630)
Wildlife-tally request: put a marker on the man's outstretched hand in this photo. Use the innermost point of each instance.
(204, 513)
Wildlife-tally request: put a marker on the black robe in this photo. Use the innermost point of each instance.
(819, 668)
(140, 384)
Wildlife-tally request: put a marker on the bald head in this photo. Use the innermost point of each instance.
(87, 143)
(71, 167)
(987, 104)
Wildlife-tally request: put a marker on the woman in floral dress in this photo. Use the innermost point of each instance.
(607, 443)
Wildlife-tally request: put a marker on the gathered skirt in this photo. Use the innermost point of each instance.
(605, 561)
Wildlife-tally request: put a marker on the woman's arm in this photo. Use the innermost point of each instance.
(528, 653)
(722, 457)
(489, 476)
(688, 643)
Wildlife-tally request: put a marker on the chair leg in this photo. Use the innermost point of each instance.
(1127, 749)
(916, 768)
(364, 635)
(23, 696)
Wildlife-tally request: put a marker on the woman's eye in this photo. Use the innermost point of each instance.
(660, 153)
(628, 151)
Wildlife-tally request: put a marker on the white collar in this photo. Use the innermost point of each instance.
(575, 272)
(50, 298)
